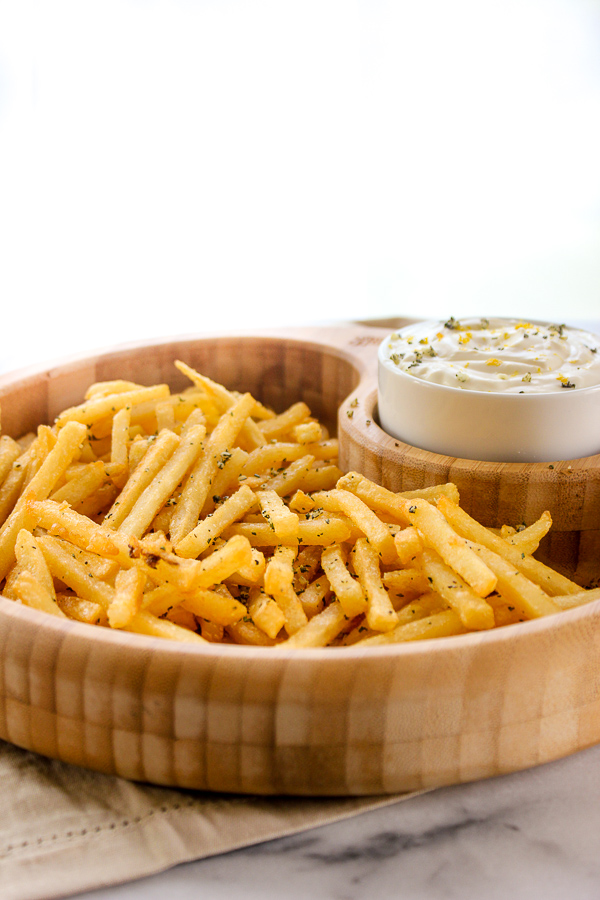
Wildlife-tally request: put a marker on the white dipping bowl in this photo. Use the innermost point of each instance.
(487, 425)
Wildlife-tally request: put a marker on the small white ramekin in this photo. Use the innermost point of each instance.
(482, 425)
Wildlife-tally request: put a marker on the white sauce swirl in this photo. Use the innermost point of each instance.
(507, 355)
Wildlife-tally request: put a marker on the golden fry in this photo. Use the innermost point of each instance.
(207, 530)
(381, 615)
(348, 591)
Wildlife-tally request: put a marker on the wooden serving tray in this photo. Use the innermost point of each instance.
(308, 722)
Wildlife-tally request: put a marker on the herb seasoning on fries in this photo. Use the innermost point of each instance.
(202, 516)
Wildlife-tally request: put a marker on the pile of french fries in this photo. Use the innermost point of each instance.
(202, 516)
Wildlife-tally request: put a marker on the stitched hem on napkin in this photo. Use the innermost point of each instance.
(64, 830)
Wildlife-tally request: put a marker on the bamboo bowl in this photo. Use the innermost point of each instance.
(313, 722)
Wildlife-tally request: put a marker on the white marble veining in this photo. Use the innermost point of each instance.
(534, 834)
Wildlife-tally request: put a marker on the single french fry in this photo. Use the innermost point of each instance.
(321, 629)
(32, 593)
(138, 448)
(376, 497)
(99, 407)
(75, 607)
(226, 399)
(279, 426)
(381, 498)
(320, 478)
(145, 623)
(528, 539)
(9, 453)
(570, 601)
(184, 618)
(320, 531)
(381, 615)
(8, 590)
(165, 416)
(106, 388)
(408, 545)
(12, 485)
(247, 633)
(433, 493)
(119, 446)
(214, 607)
(254, 571)
(67, 447)
(158, 491)
(217, 451)
(324, 530)
(30, 558)
(279, 577)
(315, 595)
(307, 433)
(127, 600)
(291, 478)
(301, 502)
(207, 530)
(348, 591)
(442, 624)
(232, 556)
(265, 613)
(474, 612)
(410, 581)
(211, 632)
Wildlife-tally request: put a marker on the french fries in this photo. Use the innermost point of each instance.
(202, 517)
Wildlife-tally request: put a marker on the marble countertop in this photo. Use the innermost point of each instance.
(532, 834)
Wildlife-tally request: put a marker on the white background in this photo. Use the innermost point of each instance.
(182, 166)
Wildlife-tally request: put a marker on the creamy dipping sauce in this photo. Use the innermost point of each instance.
(506, 355)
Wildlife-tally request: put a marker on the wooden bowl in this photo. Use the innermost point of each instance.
(309, 722)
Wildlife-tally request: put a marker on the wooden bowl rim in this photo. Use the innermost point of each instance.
(50, 366)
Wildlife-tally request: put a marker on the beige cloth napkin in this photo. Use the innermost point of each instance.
(65, 830)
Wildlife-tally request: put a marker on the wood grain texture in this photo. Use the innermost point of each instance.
(332, 721)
